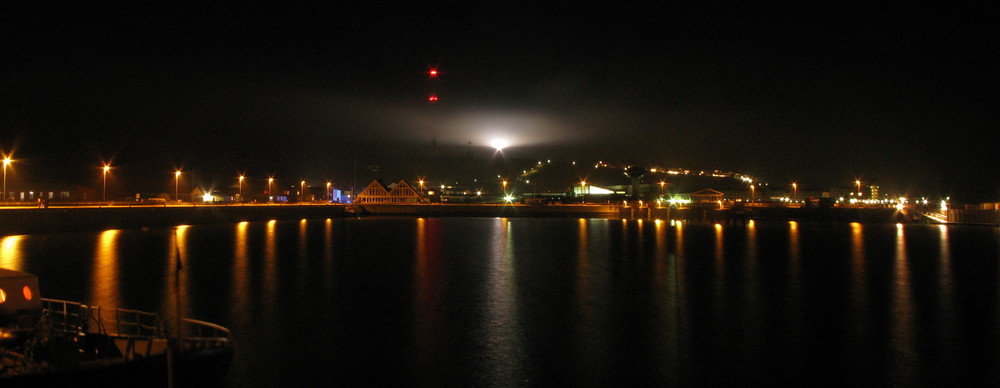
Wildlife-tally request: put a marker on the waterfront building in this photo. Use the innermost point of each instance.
(706, 196)
(400, 193)
(30, 192)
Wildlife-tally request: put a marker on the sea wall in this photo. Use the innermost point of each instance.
(714, 214)
(488, 210)
(62, 219)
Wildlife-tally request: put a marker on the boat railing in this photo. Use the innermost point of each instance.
(77, 317)
(74, 317)
(202, 335)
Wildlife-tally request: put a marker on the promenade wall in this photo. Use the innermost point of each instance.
(490, 210)
(62, 219)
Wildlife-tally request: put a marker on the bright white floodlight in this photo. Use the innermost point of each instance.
(499, 144)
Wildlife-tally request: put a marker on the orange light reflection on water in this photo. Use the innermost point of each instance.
(10, 253)
(240, 298)
(905, 357)
(104, 281)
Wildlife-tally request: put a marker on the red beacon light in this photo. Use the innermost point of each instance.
(433, 73)
(432, 98)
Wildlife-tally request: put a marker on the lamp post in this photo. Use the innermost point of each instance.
(858, 182)
(583, 191)
(177, 178)
(753, 192)
(269, 196)
(6, 162)
(795, 191)
(329, 192)
(105, 194)
(302, 191)
(241, 187)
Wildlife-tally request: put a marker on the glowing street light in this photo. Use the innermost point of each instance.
(583, 191)
(753, 192)
(6, 162)
(795, 191)
(302, 193)
(241, 187)
(269, 181)
(329, 191)
(858, 182)
(106, 169)
(662, 184)
(177, 178)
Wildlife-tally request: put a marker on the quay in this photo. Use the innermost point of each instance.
(27, 220)
(85, 217)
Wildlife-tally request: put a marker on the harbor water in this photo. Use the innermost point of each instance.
(547, 301)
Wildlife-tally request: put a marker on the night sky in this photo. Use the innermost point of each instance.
(900, 96)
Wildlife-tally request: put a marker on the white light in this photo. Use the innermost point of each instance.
(499, 144)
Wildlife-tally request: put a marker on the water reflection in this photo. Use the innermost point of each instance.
(269, 287)
(720, 273)
(104, 277)
(905, 359)
(176, 290)
(794, 257)
(328, 255)
(583, 281)
(504, 347)
(240, 296)
(667, 300)
(429, 288)
(946, 301)
(10, 253)
(858, 308)
(516, 302)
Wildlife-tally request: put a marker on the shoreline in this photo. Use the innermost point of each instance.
(30, 220)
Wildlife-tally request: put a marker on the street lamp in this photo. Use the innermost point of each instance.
(858, 182)
(302, 192)
(6, 162)
(662, 184)
(583, 191)
(753, 192)
(795, 191)
(241, 187)
(329, 192)
(177, 178)
(269, 196)
(105, 195)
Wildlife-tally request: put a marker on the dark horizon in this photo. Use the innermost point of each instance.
(817, 95)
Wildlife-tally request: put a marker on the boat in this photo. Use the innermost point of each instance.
(44, 342)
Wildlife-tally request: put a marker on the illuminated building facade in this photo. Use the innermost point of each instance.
(399, 193)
